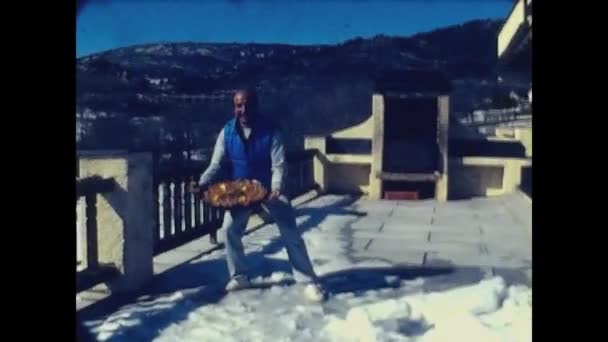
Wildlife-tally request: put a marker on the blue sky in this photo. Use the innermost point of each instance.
(105, 24)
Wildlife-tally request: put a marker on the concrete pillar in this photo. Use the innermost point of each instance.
(375, 183)
(524, 135)
(511, 176)
(441, 187)
(81, 238)
(320, 160)
(125, 217)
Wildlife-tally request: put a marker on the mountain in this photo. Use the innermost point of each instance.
(180, 93)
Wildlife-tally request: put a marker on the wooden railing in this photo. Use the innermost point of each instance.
(183, 217)
(93, 273)
(179, 215)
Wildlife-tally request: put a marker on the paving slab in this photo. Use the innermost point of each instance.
(414, 220)
(405, 236)
(368, 223)
(403, 256)
(469, 235)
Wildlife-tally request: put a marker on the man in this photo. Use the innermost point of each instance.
(251, 148)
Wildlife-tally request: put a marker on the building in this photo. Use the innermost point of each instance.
(515, 44)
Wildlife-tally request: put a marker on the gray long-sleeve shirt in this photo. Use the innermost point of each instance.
(218, 159)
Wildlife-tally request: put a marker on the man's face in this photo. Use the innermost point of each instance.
(243, 110)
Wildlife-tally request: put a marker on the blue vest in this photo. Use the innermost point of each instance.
(250, 159)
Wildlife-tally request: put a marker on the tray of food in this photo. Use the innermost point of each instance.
(228, 194)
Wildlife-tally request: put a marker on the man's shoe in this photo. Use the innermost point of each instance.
(314, 293)
(237, 283)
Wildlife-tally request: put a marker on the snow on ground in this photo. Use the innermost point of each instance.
(371, 305)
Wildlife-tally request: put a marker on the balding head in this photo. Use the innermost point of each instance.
(245, 103)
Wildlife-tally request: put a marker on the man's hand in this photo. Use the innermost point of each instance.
(193, 187)
(274, 194)
(200, 190)
(204, 192)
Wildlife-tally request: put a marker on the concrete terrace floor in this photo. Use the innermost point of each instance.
(491, 235)
(494, 234)
(477, 238)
